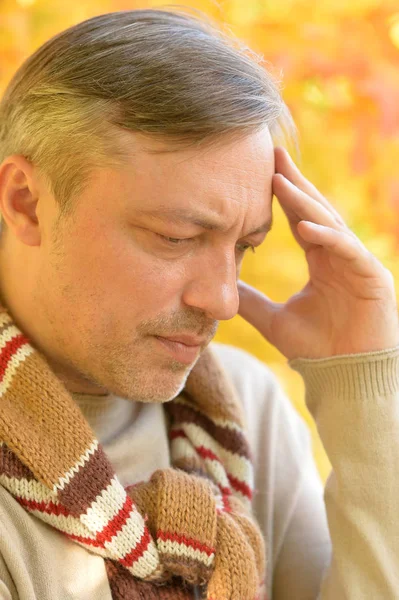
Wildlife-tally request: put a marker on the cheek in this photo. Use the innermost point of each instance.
(112, 271)
(137, 283)
(157, 284)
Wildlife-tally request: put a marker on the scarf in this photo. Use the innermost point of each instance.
(188, 525)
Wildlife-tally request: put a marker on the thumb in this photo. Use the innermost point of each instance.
(256, 308)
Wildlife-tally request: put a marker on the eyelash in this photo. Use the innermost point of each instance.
(178, 241)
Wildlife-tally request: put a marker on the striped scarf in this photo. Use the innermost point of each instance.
(188, 525)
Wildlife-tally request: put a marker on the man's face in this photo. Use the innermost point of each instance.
(139, 261)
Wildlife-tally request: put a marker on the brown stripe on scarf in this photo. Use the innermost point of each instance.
(185, 566)
(87, 483)
(123, 586)
(11, 466)
(231, 440)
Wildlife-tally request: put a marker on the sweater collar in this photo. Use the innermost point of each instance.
(107, 415)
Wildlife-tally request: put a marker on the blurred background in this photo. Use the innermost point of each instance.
(339, 62)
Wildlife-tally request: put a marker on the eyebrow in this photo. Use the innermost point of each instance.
(179, 216)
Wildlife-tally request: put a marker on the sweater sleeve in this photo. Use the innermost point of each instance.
(354, 400)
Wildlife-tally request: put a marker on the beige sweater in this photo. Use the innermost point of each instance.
(355, 402)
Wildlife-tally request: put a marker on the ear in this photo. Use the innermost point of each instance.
(19, 195)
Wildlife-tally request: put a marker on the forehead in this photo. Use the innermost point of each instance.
(232, 180)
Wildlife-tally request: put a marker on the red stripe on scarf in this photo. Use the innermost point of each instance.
(103, 536)
(44, 507)
(9, 350)
(137, 551)
(182, 539)
(134, 555)
(117, 522)
(239, 486)
(177, 433)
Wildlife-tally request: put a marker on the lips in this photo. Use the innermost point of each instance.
(187, 340)
(185, 353)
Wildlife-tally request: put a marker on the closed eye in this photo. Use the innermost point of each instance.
(173, 241)
(179, 241)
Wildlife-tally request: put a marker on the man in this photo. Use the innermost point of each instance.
(138, 166)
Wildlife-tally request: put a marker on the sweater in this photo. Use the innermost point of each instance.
(340, 542)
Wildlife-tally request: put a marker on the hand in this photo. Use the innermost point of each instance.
(348, 305)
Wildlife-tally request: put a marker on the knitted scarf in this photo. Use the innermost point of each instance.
(188, 525)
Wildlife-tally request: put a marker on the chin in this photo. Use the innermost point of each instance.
(170, 392)
(166, 389)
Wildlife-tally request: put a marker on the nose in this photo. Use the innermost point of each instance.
(213, 288)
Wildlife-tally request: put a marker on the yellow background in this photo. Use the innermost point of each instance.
(340, 62)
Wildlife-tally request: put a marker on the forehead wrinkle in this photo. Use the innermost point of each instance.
(264, 167)
(184, 216)
(239, 186)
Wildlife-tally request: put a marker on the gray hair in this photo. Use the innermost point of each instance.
(164, 73)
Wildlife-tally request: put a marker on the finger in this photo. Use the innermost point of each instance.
(341, 244)
(299, 206)
(256, 308)
(286, 166)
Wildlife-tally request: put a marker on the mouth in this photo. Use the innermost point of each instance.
(185, 352)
